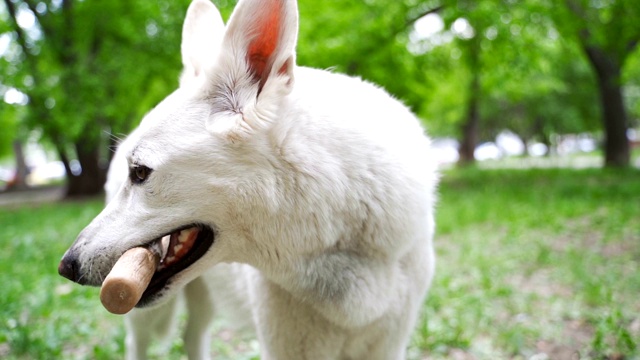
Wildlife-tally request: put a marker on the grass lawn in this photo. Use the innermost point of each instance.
(532, 264)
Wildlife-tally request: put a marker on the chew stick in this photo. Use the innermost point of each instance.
(123, 287)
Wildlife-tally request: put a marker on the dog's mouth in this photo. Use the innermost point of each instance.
(179, 249)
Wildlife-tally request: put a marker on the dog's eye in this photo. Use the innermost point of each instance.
(139, 174)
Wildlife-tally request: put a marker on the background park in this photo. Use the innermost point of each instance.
(534, 106)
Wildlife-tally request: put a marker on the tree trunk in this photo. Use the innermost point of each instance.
(614, 115)
(91, 179)
(470, 128)
(19, 181)
(542, 134)
(472, 122)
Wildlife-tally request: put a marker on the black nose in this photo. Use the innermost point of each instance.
(69, 266)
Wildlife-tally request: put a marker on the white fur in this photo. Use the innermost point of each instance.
(320, 188)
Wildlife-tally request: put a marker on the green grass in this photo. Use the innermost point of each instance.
(535, 261)
(529, 262)
(44, 316)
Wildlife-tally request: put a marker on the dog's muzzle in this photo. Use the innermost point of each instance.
(180, 248)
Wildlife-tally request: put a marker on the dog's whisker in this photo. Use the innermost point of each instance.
(119, 137)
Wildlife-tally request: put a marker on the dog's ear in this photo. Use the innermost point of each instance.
(255, 67)
(263, 34)
(202, 35)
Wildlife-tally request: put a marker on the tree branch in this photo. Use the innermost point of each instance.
(43, 23)
(22, 36)
(68, 55)
(415, 18)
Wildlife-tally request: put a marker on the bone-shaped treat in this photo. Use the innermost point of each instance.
(123, 287)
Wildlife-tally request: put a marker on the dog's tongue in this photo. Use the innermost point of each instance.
(180, 243)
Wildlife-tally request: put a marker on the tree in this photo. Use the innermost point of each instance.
(366, 39)
(511, 70)
(540, 85)
(89, 69)
(476, 22)
(608, 33)
(484, 41)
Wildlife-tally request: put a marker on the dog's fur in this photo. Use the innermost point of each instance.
(319, 187)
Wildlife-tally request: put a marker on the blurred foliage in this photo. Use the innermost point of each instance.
(94, 65)
(9, 126)
(631, 78)
(97, 67)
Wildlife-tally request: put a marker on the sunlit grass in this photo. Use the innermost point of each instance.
(529, 262)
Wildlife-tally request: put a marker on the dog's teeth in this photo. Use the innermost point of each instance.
(184, 235)
(177, 248)
(165, 245)
(169, 259)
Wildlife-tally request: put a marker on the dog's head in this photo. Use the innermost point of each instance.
(188, 158)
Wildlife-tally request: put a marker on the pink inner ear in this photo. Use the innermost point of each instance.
(264, 44)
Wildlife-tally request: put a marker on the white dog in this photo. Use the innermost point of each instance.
(301, 196)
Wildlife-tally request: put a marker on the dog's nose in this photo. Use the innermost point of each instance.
(69, 266)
